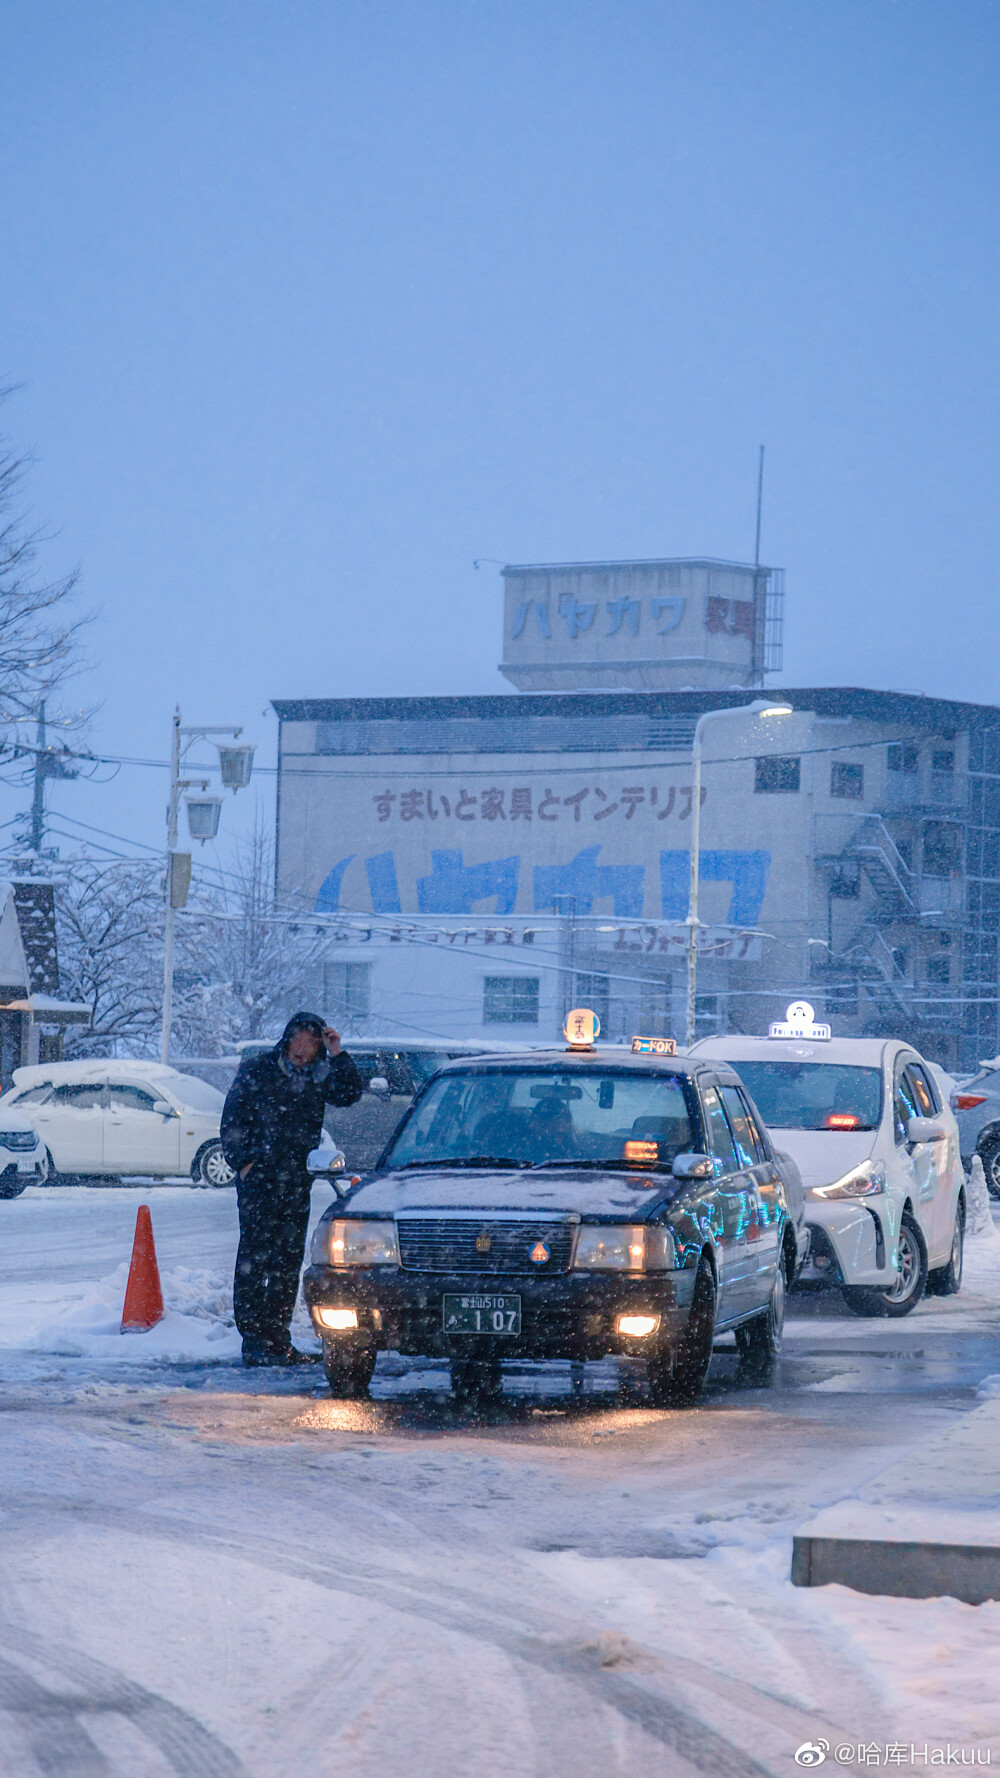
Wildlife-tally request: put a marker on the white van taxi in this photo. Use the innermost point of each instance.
(877, 1146)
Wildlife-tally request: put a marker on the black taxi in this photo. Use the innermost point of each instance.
(564, 1204)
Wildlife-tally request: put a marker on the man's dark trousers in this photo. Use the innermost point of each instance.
(274, 1217)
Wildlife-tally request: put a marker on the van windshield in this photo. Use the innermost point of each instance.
(814, 1095)
(539, 1117)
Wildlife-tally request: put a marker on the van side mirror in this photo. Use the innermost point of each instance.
(693, 1166)
(925, 1129)
(378, 1084)
(165, 1109)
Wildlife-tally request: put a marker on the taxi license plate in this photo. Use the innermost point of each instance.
(478, 1312)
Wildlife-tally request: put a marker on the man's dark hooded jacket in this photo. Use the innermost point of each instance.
(273, 1113)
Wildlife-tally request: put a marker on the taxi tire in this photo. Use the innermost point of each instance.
(349, 1373)
(758, 1342)
(680, 1383)
(863, 1299)
(210, 1167)
(946, 1280)
(472, 1380)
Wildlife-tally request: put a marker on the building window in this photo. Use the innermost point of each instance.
(939, 969)
(510, 1000)
(903, 756)
(943, 759)
(347, 993)
(776, 772)
(847, 780)
(942, 849)
(595, 991)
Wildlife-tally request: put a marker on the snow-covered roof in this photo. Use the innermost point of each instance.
(94, 1068)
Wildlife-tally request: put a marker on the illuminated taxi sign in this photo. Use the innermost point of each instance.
(581, 1028)
(653, 1046)
(799, 1022)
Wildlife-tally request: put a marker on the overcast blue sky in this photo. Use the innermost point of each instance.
(313, 303)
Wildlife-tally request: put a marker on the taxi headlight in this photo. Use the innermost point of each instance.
(865, 1181)
(361, 1244)
(624, 1248)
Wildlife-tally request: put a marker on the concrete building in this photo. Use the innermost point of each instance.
(32, 1016)
(483, 863)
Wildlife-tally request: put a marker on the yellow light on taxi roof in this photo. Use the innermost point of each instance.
(582, 1028)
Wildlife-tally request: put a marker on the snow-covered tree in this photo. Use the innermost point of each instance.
(109, 920)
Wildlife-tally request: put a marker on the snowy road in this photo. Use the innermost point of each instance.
(205, 1571)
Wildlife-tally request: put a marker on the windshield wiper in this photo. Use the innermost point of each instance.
(471, 1160)
(599, 1166)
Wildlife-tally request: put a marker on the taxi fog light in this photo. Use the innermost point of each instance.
(637, 1327)
(340, 1320)
(866, 1181)
(359, 1243)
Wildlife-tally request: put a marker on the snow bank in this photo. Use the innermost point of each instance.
(197, 1325)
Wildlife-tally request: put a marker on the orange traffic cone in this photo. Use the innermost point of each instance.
(143, 1294)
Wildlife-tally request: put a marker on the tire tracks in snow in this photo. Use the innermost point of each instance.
(552, 1648)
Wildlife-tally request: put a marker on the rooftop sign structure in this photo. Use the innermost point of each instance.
(682, 624)
(799, 1021)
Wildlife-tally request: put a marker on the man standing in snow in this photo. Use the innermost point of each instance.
(272, 1117)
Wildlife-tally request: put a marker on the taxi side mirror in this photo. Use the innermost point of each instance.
(378, 1084)
(925, 1129)
(693, 1166)
(165, 1109)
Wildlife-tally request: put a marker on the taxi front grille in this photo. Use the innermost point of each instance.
(444, 1244)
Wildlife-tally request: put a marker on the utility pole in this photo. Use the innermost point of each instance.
(38, 797)
(235, 765)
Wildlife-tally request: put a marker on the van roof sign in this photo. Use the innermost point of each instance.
(799, 1022)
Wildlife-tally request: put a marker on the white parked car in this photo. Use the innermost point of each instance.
(22, 1154)
(104, 1118)
(877, 1146)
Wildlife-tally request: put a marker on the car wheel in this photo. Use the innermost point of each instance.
(349, 1373)
(210, 1166)
(758, 1342)
(911, 1279)
(472, 1380)
(677, 1377)
(946, 1280)
(14, 1186)
(989, 1154)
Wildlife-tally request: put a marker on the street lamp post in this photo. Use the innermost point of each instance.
(177, 877)
(760, 707)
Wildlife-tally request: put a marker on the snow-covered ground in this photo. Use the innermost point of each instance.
(210, 1571)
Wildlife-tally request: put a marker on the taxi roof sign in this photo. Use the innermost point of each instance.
(654, 1046)
(582, 1028)
(799, 1021)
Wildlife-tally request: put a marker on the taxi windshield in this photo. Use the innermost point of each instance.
(539, 1117)
(814, 1095)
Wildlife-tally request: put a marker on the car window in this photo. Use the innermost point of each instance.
(905, 1106)
(32, 1096)
(760, 1141)
(720, 1136)
(394, 1066)
(739, 1123)
(79, 1097)
(814, 1095)
(126, 1098)
(367, 1064)
(534, 1115)
(923, 1089)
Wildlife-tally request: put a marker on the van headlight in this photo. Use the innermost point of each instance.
(359, 1244)
(865, 1181)
(624, 1248)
